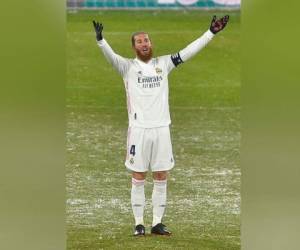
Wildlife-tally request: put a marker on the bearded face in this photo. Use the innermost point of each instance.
(143, 47)
(145, 54)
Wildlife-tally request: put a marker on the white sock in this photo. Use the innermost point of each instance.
(138, 200)
(159, 198)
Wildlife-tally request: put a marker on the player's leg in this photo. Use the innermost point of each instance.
(138, 201)
(138, 164)
(159, 200)
(159, 196)
(162, 161)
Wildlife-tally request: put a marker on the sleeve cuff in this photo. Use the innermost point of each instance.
(209, 34)
(101, 43)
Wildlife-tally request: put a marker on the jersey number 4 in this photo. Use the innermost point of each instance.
(132, 150)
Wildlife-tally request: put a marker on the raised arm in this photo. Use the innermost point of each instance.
(118, 62)
(194, 47)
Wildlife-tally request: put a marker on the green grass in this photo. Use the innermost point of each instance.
(203, 209)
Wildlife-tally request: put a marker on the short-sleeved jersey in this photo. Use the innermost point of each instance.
(146, 84)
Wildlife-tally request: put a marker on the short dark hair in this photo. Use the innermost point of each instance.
(135, 34)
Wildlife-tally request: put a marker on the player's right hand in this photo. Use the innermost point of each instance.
(98, 29)
(218, 25)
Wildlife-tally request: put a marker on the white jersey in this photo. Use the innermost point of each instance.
(146, 84)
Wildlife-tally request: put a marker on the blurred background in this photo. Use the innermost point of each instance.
(162, 4)
(34, 189)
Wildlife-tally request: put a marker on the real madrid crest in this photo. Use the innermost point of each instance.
(131, 161)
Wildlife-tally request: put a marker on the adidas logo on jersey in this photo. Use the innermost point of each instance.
(158, 70)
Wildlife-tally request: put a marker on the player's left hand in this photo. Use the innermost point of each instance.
(218, 25)
(98, 29)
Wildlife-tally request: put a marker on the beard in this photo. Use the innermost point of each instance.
(143, 57)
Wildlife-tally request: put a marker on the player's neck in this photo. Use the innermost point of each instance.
(144, 60)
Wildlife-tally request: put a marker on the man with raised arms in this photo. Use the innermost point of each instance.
(148, 141)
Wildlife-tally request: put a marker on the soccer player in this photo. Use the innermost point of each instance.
(148, 140)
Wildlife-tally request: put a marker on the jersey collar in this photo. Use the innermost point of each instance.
(141, 62)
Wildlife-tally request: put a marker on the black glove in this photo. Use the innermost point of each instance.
(98, 29)
(218, 25)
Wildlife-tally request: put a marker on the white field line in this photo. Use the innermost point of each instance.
(177, 85)
(172, 107)
(156, 32)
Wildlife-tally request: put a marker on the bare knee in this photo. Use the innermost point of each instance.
(139, 175)
(160, 175)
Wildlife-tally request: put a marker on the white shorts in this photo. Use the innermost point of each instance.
(149, 149)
